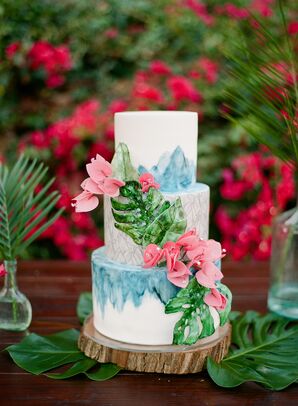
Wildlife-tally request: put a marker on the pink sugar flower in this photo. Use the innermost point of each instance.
(171, 252)
(208, 275)
(3, 271)
(111, 186)
(179, 275)
(84, 202)
(90, 186)
(99, 169)
(152, 255)
(147, 181)
(216, 299)
(206, 251)
(189, 241)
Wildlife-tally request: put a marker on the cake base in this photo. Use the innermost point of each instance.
(167, 359)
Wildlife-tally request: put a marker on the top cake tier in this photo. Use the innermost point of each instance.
(163, 143)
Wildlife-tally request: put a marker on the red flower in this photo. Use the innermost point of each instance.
(12, 49)
(160, 68)
(293, 28)
(182, 89)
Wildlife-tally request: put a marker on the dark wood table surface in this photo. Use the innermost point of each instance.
(53, 289)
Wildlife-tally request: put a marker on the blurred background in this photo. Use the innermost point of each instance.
(67, 66)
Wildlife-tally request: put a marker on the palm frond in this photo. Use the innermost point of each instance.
(260, 97)
(25, 213)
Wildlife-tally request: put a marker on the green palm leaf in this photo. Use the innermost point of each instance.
(264, 103)
(24, 213)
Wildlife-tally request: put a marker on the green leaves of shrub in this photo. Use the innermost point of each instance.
(264, 350)
(190, 301)
(23, 211)
(39, 354)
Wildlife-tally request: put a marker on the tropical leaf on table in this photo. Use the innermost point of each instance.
(84, 306)
(196, 321)
(39, 354)
(23, 211)
(147, 217)
(265, 100)
(263, 350)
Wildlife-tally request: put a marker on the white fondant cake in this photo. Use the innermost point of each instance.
(159, 202)
(149, 134)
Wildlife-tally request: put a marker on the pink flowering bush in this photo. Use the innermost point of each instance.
(60, 88)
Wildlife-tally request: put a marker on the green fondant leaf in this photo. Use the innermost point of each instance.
(224, 314)
(146, 217)
(122, 166)
(196, 321)
(263, 350)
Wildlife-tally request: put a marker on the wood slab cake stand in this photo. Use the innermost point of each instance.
(168, 359)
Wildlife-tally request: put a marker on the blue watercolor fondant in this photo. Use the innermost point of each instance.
(174, 172)
(118, 283)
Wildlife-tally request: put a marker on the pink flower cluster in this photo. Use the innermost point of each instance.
(100, 182)
(249, 231)
(54, 60)
(186, 253)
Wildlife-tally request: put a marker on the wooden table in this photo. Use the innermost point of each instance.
(53, 288)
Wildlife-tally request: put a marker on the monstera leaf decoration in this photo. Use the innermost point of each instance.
(146, 217)
(196, 321)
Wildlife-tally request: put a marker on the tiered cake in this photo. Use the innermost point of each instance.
(155, 220)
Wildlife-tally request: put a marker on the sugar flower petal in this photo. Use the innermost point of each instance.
(85, 202)
(99, 169)
(152, 255)
(90, 186)
(111, 186)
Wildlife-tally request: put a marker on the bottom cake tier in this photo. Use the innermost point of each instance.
(129, 302)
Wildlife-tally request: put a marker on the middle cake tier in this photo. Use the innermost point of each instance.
(121, 248)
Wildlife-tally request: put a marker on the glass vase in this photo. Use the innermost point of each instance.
(15, 308)
(283, 292)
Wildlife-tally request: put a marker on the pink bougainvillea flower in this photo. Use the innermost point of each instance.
(179, 275)
(208, 275)
(189, 241)
(84, 202)
(3, 271)
(216, 299)
(152, 255)
(147, 181)
(110, 186)
(206, 251)
(171, 252)
(99, 169)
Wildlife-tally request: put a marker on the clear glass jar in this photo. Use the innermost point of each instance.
(283, 292)
(15, 308)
